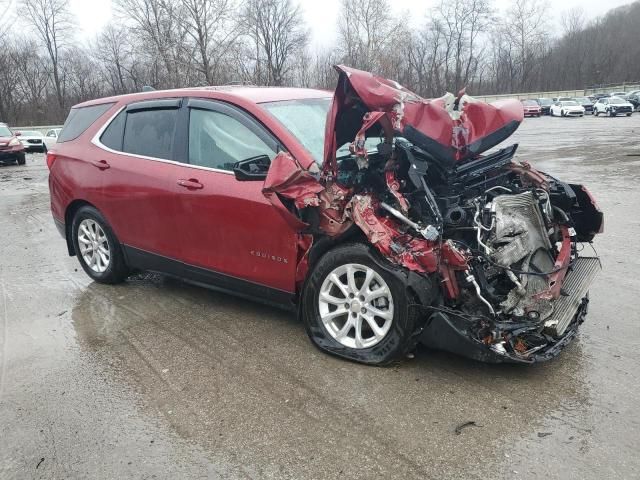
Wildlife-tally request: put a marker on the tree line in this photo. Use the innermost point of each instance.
(179, 43)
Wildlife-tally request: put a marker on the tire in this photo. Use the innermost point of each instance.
(114, 270)
(562, 113)
(21, 159)
(595, 112)
(611, 114)
(395, 336)
(628, 114)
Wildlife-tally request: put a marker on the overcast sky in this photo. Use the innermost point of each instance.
(321, 14)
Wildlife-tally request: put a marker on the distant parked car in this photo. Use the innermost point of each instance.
(11, 150)
(618, 94)
(51, 137)
(567, 108)
(598, 96)
(32, 141)
(562, 99)
(531, 108)
(634, 99)
(613, 106)
(586, 103)
(545, 105)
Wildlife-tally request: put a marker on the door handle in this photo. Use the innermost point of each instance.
(191, 183)
(101, 164)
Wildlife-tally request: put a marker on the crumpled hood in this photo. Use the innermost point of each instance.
(450, 129)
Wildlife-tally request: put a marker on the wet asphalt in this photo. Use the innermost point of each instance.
(158, 379)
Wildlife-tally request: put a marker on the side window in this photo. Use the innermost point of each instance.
(217, 140)
(112, 136)
(150, 133)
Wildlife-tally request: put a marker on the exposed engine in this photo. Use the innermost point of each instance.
(512, 229)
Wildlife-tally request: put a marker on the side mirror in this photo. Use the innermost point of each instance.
(254, 168)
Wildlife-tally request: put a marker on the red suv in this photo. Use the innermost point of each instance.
(371, 212)
(11, 149)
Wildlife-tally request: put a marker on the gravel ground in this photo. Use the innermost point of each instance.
(158, 379)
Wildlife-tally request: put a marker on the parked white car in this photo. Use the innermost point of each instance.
(568, 108)
(32, 140)
(51, 137)
(613, 106)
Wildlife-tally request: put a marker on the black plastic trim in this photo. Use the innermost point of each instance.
(165, 103)
(143, 260)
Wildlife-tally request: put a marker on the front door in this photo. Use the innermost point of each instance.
(229, 230)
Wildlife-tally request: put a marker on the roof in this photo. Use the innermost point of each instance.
(252, 94)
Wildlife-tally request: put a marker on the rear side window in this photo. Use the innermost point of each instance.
(112, 136)
(150, 133)
(79, 119)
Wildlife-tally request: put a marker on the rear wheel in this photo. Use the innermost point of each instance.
(354, 308)
(97, 247)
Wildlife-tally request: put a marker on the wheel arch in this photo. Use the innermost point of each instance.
(69, 213)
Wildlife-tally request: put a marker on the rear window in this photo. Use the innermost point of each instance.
(79, 119)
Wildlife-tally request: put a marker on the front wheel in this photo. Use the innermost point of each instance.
(562, 113)
(355, 308)
(596, 112)
(628, 114)
(97, 247)
(21, 159)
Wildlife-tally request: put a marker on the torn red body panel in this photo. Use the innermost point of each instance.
(450, 129)
(288, 178)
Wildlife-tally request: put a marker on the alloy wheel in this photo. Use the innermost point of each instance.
(356, 306)
(94, 246)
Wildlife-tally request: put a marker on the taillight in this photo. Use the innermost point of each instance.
(51, 157)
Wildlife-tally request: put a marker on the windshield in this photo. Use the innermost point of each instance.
(5, 132)
(305, 119)
(616, 100)
(570, 104)
(30, 133)
(582, 99)
(545, 101)
(530, 103)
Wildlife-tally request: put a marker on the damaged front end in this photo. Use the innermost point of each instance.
(500, 239)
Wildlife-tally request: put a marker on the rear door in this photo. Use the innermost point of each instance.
(137, 161)
(229, 230)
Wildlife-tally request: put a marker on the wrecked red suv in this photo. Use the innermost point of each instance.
(372, 212)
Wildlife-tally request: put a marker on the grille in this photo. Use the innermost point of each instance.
(34, 140)
(576, 284)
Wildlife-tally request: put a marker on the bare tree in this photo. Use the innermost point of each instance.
(525, 27)
(210, 25)
(277, 34)
(365, 28)
(52, 22)
(113, 51)
(160, 34)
